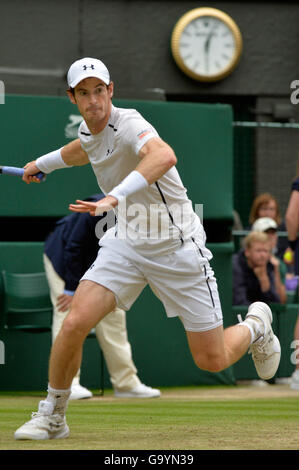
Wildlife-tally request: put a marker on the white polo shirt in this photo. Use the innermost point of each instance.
(156, 220)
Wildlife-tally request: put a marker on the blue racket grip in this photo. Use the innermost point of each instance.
(15, 171)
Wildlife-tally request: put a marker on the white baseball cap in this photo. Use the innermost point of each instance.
(86, 68)
(264, 223)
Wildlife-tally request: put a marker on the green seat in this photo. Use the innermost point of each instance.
(28, 307)
(27, 303)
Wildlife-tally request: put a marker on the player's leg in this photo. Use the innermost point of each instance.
(186, 284)
(217, 349)
(56, 286)
(91, 303)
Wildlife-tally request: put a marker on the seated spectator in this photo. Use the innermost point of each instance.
(269, 226)
(253, 273)
(266, 205)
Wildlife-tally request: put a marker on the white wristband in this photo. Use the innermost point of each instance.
(51, 161)
(131, 184)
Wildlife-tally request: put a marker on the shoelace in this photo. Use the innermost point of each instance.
(40, 416)
(259, 352)
(36, 414)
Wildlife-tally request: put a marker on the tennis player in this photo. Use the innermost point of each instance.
(158, 240)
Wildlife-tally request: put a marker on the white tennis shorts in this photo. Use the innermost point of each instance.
(183, 280)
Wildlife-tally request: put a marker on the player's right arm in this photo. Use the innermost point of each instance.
(71, 154)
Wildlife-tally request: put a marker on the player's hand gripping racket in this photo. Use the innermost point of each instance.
(15, 171)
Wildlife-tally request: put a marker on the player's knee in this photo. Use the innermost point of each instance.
(210, 362)
(73, 327)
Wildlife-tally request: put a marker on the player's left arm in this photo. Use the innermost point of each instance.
(156, 158)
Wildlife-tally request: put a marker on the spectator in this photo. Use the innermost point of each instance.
(266, 205)
(269, 226)
(292, 224)
(69, 251)
(253, 274)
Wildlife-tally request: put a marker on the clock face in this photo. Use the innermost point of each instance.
(206, 46)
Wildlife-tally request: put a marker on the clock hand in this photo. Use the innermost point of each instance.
(208, 40)
(207, 47)
(207, 43)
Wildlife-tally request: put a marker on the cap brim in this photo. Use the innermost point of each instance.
(84, 75)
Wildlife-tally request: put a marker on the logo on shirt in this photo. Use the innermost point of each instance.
(144, 133)
(109, 152)
(71, 129)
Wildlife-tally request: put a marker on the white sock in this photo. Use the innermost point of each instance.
(252, 335)
(255, 326)
(59, 399)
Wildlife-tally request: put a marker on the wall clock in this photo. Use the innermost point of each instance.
(206, 44)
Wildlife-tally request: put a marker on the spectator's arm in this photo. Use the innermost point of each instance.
(239, 285)
(292, 217)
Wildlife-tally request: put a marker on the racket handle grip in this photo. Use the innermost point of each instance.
(15, 171)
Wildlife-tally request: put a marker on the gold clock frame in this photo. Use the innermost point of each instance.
(181, 25)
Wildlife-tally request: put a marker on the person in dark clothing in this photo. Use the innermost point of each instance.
(253, 274)
(292, 222)
(69, 252)
(72, 246)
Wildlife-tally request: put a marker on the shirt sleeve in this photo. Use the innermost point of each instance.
(137, 131)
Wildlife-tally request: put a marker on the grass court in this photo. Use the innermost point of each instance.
(193, 418)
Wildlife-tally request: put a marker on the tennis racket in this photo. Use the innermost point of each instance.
(15, 171)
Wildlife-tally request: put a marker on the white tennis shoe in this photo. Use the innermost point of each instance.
(43, 425)
(265, 349)
(78, 392)
(141, 391)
